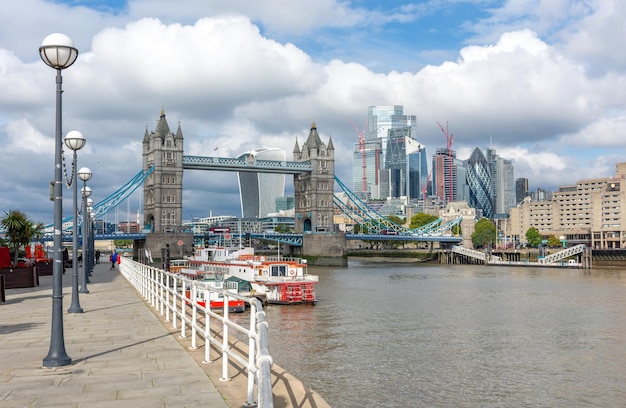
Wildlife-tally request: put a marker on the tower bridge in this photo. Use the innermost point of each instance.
(313, 170)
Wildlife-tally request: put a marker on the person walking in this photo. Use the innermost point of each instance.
(113, 259)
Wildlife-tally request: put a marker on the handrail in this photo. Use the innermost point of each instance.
(167, 293)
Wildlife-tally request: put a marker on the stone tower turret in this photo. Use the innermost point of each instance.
(314, 191)
(163, 189)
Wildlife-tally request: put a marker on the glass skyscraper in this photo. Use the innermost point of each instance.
(258, 191)
(380, 120)
(480, 184)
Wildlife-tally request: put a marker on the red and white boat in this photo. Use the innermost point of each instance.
(274, 280)
(215, 298)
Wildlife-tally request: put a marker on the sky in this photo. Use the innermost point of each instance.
(541, 81)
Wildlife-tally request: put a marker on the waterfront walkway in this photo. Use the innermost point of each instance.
(123, 355)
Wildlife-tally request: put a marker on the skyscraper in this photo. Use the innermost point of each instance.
(502, 182)
(366, 169)
(445, 175)
(401, 161)
(521, 189)
(480, 184)
(380, 120)
(258, 191)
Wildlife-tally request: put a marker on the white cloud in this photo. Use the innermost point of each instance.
(235, 86)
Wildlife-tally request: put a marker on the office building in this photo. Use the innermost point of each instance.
(590, 212)
(444, 175)
(366, 162)
(502, 182)
(479, 181)
(380, 120)
(521, 189)
(401, 161)
(258, 191)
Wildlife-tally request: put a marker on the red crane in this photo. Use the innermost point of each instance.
(363, 156)
(449, 141)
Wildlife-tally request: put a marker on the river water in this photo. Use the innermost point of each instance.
(430, 335)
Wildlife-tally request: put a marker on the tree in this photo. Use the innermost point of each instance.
(533, 237)
(395, 219)
(282, 229)
(456, 230)
(19, 230)
(554, 241)
(421, 219)
(484, 233)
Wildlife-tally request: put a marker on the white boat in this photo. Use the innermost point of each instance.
(213, 281)
(274, 280)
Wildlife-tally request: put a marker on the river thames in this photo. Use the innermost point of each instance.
(430, 335)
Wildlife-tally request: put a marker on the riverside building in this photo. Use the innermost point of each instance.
(590, 212)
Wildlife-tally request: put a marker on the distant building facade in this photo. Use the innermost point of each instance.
(521, 189)
(380, 120)
(589, 212)
(258, 191)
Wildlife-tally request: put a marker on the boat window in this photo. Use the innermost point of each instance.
(279, 270)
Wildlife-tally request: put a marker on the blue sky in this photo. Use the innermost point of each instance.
(539, 80)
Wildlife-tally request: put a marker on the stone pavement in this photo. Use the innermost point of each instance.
(122, 355)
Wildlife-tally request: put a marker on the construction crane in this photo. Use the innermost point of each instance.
(449, 141)
(363, 156)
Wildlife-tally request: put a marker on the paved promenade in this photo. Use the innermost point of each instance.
(122, 355)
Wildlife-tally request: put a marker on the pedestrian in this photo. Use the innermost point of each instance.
(113, 259)
(97, 256)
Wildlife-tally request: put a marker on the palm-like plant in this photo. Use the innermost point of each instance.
(19, 230)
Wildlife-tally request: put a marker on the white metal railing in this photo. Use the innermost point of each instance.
(565, 253)
(472, 253)
(176, 298)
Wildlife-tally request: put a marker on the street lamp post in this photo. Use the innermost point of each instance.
(90, 217)
(92, 241)
(58, 52)
(75, 141)
(84, 174)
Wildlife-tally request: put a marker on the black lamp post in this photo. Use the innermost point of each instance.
(85, 174)
(75, 141)
(91, 217)
(57, 51)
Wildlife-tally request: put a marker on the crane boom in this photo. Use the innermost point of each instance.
(449, 141)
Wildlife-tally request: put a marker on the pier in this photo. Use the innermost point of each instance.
(579, 256)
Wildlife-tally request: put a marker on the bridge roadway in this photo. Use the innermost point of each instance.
(123, 355)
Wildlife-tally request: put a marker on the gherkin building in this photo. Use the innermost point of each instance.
(479, 182)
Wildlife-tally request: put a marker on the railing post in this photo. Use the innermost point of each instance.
(174, 297)
(167, 297)
(194, 308)
(252, 371)
(207, 331)
(225, 348)
(183, 308)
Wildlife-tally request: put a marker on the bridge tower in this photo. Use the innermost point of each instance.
(163, 189)
(314, 190)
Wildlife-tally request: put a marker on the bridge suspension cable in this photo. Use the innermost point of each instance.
(362, 214)
(114, 199)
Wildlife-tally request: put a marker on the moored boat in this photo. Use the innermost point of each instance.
(216, 299)
(274, 280)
